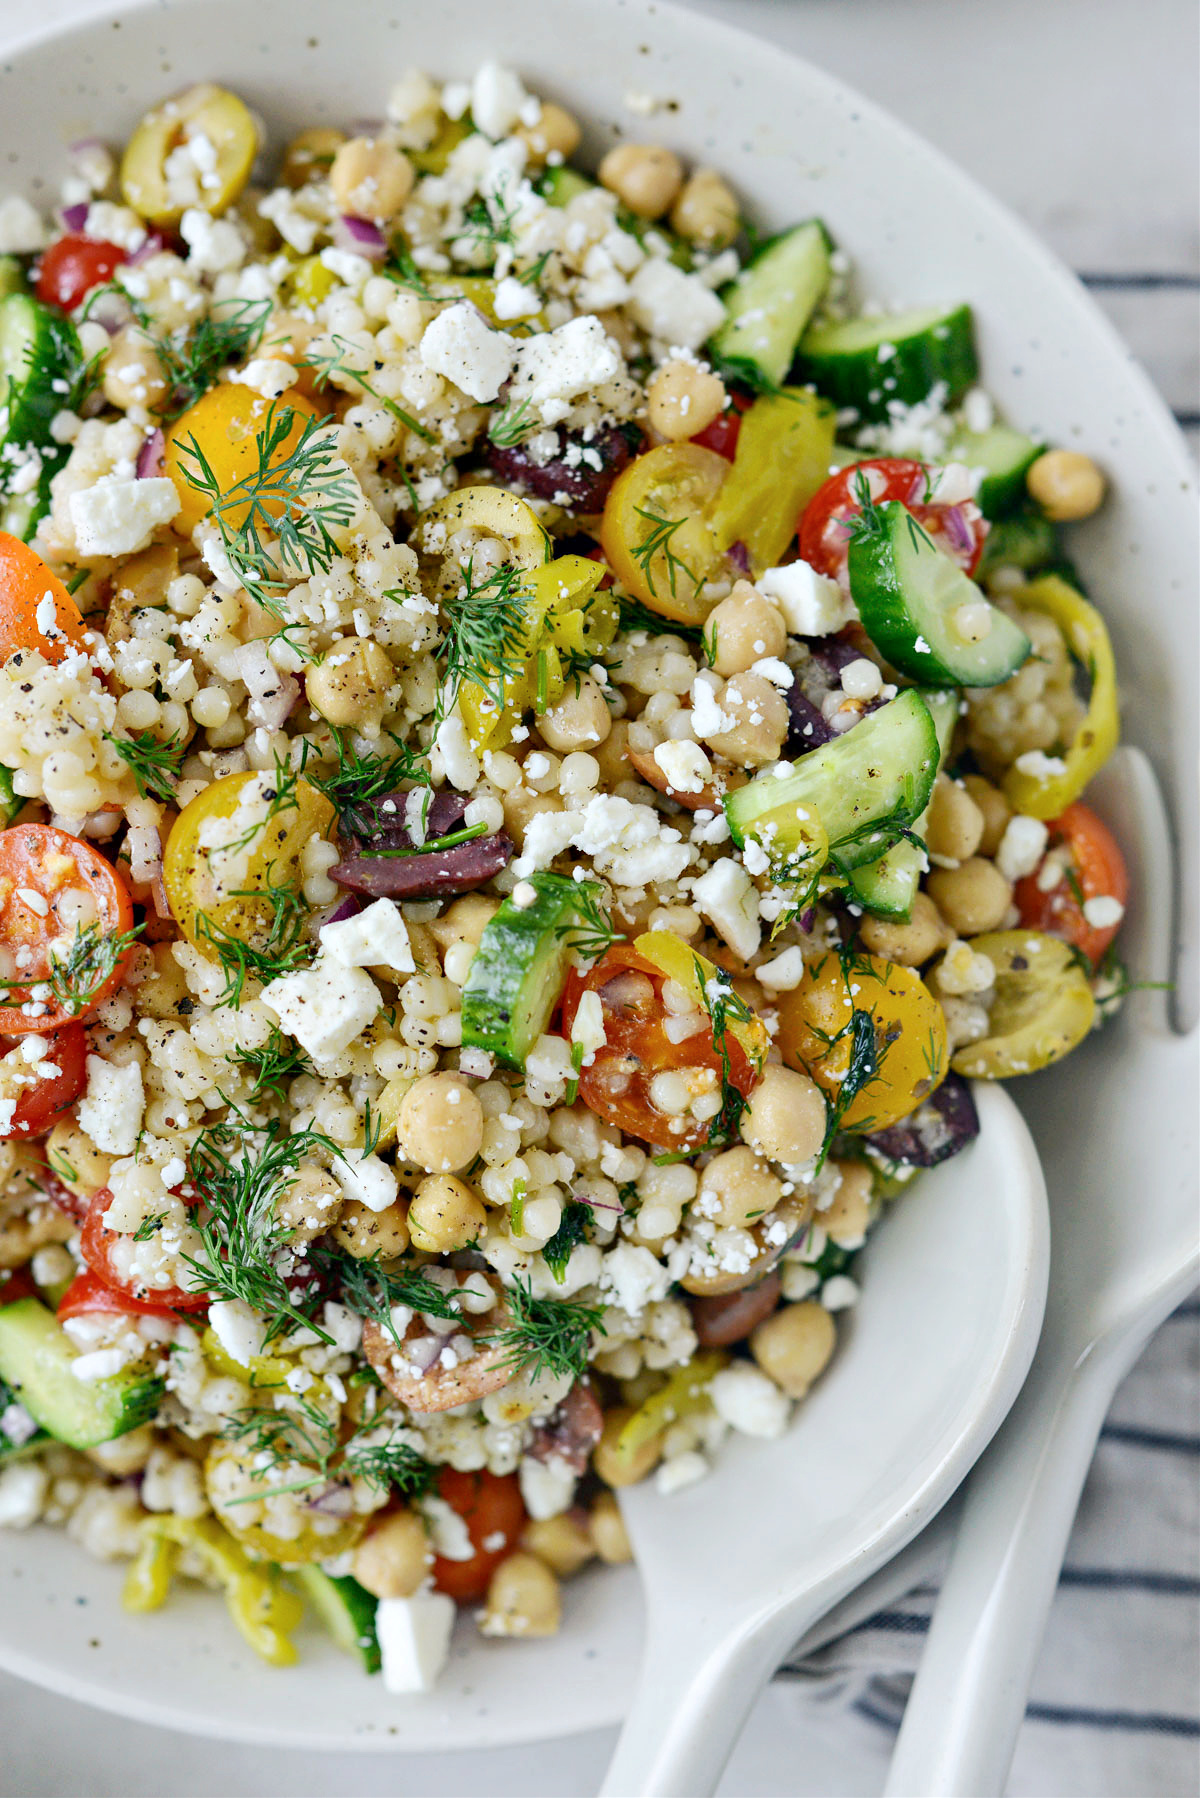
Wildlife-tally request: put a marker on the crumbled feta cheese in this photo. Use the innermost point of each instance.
(22, 1494)
(214, 244)
(546, 1486)
(708, 720)
(414, 1639)
(587, 1026)
(269, 375)
(777, 672)
(812, 604)
(676, 308)
(1021, 847)
(100, 1364)
(448, 1532)
(748, 1401)
(1103, 912)
(514, 299)
(685, 765)
(555, 367)
(680, 1471)
(240, 1330)
(631, 1277)
(727, 897)
(459, 762)
(460, 344)
(110, 1113)
(1038, 765)
(839, 1293)
(952, 484)
(324, 1007)
(366, 1179)
(628, 843)
(497, 99)
(117, 517)
(21, 228)
(376, 938)
(783, 973)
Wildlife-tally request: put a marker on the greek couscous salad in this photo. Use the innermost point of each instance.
(541, 749)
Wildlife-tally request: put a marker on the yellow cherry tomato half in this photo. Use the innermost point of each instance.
(657, 532)
(485, 512)
(241, 837)
(229, 426)
(239, 1493)
(1043, 1006)
(817, 1035)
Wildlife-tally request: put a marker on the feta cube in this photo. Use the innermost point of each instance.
(497, 97)
(546, 1486)
(680, 1471)
(22, 1494)
(515, 300)
(555, 367)
(673, 306)
(115, 517)
(366, 1179)
(110, 1113)
(324, 1007)
(728, 898)
(631, 1277)
(214, 244)
(240, 1331)
(459, 344)
(1021, 847)
(376, 938)
(812, 604)
(414, 1639)
(685, 765)
(748, 1401)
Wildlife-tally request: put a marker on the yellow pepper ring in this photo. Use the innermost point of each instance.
(1048, 794)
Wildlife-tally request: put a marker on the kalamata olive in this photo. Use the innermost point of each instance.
(730, 1316)
(816, 677)
(571, 1431)
(578, 477)
(373, 864)
(943, 1126)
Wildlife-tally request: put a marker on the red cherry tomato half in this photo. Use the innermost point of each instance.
(48, 881)
(98, 1246)
(490, 1505)
(722, 434)
(617, 1084)
(88, 1293)
(1092, 867)
(40, 1103)
(824, 527)
(73, 265)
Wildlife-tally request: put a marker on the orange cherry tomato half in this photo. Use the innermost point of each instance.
(25, 583)
(959, 530)
(97, 1245)
(1092, 868)
(73, 265)
(57, 891)
(618, 1083)
(490, 1505)
(38, 1105)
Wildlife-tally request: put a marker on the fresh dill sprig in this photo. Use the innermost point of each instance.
(326, 364)
(575, 1227)
(532, 276)
(370, 1289)
(304, 1434)
(513, 424)
(155, 766)
(632, 615)
(278, 519)
(656, 541)
(191, 367)
(867, 1050)
(73, 979)
(723, 1006)
(273, 1064)
(547, 1336)
(392, 1467)
(590, 932)
(402, 269)
(362, 778)
(279, 950)
(488, 222)
(486, 633)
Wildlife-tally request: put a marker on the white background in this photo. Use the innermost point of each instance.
(1082, 115)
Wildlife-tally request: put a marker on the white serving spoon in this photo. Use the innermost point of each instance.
(1118, 1147)
(735, 1568)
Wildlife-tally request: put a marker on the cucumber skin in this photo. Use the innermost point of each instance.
(887, 887)
(32, 403)
(347, 1610)
(850, 378)
(1006, 457)
(743, 367)
(35, 1357)
(490, 1001)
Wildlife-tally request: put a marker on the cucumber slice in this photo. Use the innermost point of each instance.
(866, 787)
(11, 801)
(888, 886)
(869, 362)
(519, 968)
(1005, 456)
(908, 593)
(561, 185)
(346, 1609)
(35, 1361)
(39, 358)
(15, 1440)
(770, 302)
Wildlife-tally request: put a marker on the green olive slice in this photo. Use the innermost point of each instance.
(1042, 1010)
(195, 150)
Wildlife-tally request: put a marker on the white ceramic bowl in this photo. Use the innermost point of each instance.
(794, 142)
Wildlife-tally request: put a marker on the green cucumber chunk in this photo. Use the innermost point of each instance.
(768, 305)
(867, 787)
(888, 886)
(871, 363)
(11, 802)
(15, 1436)
(346, 1609)
(559, 186)
(1005, 457)
(909, 594)
(515, 980)
(35, 1361)
(39, 360)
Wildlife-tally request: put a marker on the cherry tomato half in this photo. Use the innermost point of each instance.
(617, 1085)
(57, 891)
(39, 1104)
(657, 533)
(73, 265)
(824, 529)
(1094, 869)
(25, 582)
(98, 1245)
(88, 1293)
(490, 1505)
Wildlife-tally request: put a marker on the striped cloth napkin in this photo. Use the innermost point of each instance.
(1115, 1706)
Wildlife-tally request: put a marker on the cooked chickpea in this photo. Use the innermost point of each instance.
(743, 629)
(74, 1159)
(522, 1599)
(133, 373)
(310, 156)
(647, 177)
(564, 1542)
(367, 1234)
(683, 398)
(393, 1559)
(608, 1531)
(737, 1187)
(521, 805)
(910, 944)
(955, 825)
(785, 1119)
(1066, 484)
(760, 721)
(995, 808)
(440, 1126)
(445, 1215)
(847, 1215)
(465, 921)
(613, 755)
(706, 211)
(793, 1345)
(557, 132)
(624, 1469)
(349, 687)
(309, 1204)
(580, 720)
(973, 897)
(370, 179)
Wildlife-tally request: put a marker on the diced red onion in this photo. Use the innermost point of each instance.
(422, 1351)
(86, 143)
(75, 217)
(150, 458)
(155, 241)
(334, 1500)
(739, 555)
(348, 906)
(956, 528)
(361, 236)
